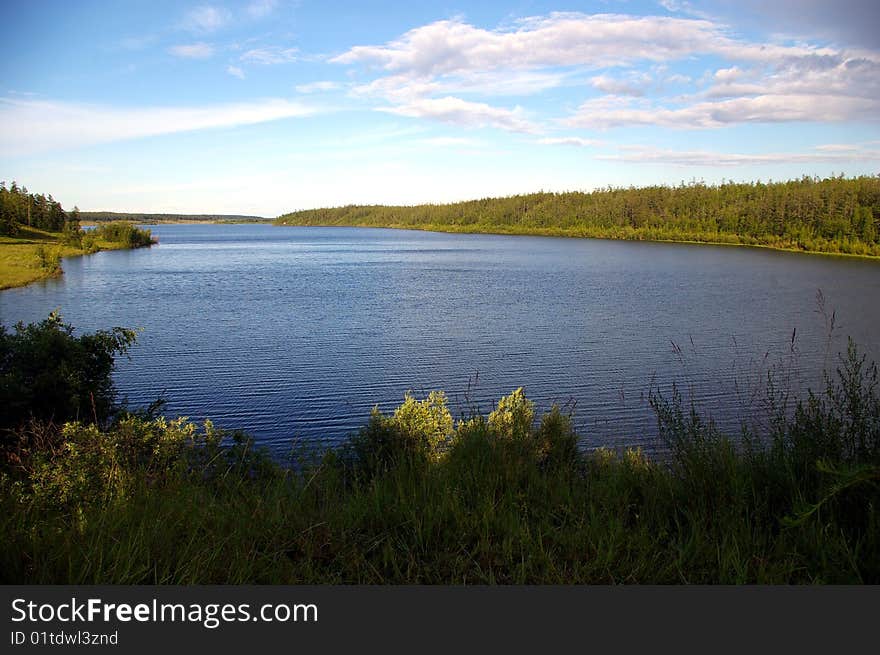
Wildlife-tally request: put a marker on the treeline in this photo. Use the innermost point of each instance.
(20, 208)
(835, 215)
(139, 217)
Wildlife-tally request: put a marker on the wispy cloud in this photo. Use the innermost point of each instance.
(206, 19)
(270, 55)
(451, 142)
(317, 87)
(235, 71)
(30, 126)
(819, 154)
(261, 8)
(192, 51)
(577, 141)
(616, 111)
(466, 114)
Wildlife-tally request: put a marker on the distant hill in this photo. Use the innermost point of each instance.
(100, 217)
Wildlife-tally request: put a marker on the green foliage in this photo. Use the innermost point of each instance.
(48, 259)
(418, 431)
(19, 208)
(125, 233)
(426, 422)
(555, 439)
(835, 215)
(843, 424)
(513, 417)
(93, 465)
(48, 374)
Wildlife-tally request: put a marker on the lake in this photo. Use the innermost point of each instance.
(294, 333)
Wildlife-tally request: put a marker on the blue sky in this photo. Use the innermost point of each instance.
(266, 106)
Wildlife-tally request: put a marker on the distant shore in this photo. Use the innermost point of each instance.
(556, 233)
(837, 215)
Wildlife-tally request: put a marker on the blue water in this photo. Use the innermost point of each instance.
(295, 333)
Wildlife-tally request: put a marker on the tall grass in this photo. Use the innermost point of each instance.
(418, 498)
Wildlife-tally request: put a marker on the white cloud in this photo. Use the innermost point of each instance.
(767, 82)
(820, 154)
(839, 147)
(570, 141)
(316, 87)
(615, 111)
(206, 19)
(467, 114)
(451, 141)
(192, 51)
(489, 83)
(29, 126)
(681, 7)
(261, 8)
(562, 39)
(559, 39)
(270, 55)
(633, 85)
(235, 71)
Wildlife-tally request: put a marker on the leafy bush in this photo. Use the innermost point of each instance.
(92, 465)
(513, 417)
(426, 423)
(124, 233)
(48, 259)
(48, 374)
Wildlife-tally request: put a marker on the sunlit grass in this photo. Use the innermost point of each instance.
(23, 258)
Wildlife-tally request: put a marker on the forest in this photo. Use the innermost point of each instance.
(18, 209)
(831, 215)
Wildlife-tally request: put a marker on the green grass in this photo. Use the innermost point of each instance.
(34, 254)
(415, 499)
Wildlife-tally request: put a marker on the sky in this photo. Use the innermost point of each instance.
(262, 107)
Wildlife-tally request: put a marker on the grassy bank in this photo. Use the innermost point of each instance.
(34, 254)
(833, 216)
(418, 497)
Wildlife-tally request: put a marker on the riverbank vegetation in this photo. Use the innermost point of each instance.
(36, 233)
(833, 215)
(96, 493)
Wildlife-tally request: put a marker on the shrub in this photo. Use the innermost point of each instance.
(426, 423)
(513, 417)
(91, 464)
(48, 259)
(419, 431)
(555, 439)
(48, 374)
(124, 233)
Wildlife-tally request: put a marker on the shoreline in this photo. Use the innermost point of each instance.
(553, 233)
(20, 271)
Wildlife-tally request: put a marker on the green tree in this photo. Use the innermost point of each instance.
(48, 374)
